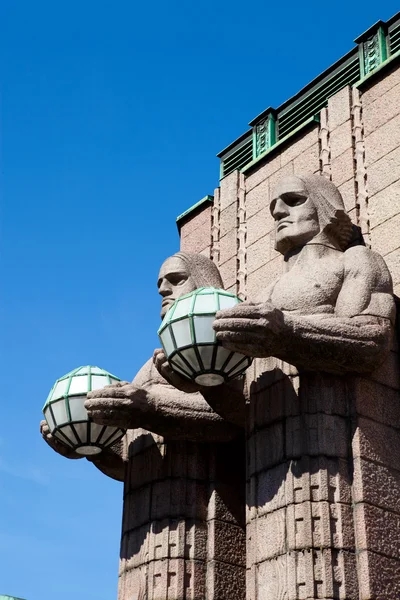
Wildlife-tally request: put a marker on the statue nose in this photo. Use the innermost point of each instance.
(280, 209)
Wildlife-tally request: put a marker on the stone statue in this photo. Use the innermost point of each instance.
(319, 330)
(183, 489)
(333, 309)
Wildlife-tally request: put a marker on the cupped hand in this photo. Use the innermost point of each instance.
(119, 405)
(56, 444)
(249, 328)
(164, 368)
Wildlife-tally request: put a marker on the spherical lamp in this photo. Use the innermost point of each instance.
(66, 414)
(190, 343)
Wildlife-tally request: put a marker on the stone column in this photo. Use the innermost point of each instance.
(183, 531)
(300, 542)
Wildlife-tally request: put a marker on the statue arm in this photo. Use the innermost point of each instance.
(355, 338)
(110, 461)
(150, 402)
(179, 415)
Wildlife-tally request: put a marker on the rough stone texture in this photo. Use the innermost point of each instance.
(339, 108)
(196, 234)
(382, 110)
(385, 205)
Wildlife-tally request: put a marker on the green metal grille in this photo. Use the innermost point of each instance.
(315, 99)
(394, 38)
(238, 157)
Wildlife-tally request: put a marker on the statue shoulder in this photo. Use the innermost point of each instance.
(362, 262)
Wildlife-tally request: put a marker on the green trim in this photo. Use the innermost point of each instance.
(206, 200)
(391, 60)
(280, 143)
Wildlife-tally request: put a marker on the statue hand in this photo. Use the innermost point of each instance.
(117, 405)
(164, 368)
(56, 444)
(249, 328)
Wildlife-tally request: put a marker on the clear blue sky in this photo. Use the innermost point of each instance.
(112, 113)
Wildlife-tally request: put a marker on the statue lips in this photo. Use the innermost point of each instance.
(283, 224)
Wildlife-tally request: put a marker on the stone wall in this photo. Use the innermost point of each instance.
(323, 458)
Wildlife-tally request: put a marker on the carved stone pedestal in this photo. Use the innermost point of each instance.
(321, 459)
(183, 526)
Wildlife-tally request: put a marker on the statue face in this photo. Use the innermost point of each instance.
(173, 281)
(296, 218)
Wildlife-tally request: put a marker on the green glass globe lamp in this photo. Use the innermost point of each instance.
(66, 414)
(189, 341)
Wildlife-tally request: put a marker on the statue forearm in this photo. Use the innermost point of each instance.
(334, 344)
(178, 415)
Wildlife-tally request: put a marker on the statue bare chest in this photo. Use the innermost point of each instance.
(309, 288)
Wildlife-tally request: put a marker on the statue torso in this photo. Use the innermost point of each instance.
(311, 286)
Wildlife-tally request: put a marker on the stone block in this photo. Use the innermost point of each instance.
(285, 170)
(379, 577)
(347, 189)
(319, 525)
(228, 542)
(263, 172)
(316, 434)
(272, 401)
(206, 252)
(228, 219)
(307, 575)
(270, 535)
(229, 189)
(377, 401)
(266, 448)
(382, 140)
(307, 161)
(382, 110)
(323, 393)
(385, 204)
(224, 581)
(384, 172)
(260, 279)
(259, 253)
(377, 485)
(377, 530)
(339, 108)
(300, 146)
(228, 246)
(376, 442)
(270, 489)
(259, 225)
(201, 219)
(343, 167)
(197, 241)
(138, 503)
(381, 86)
(341, 139)
(385, 237)
(228, 273)
(257, 199)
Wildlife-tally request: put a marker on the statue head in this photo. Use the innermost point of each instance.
(306, 208)
(184, 272)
